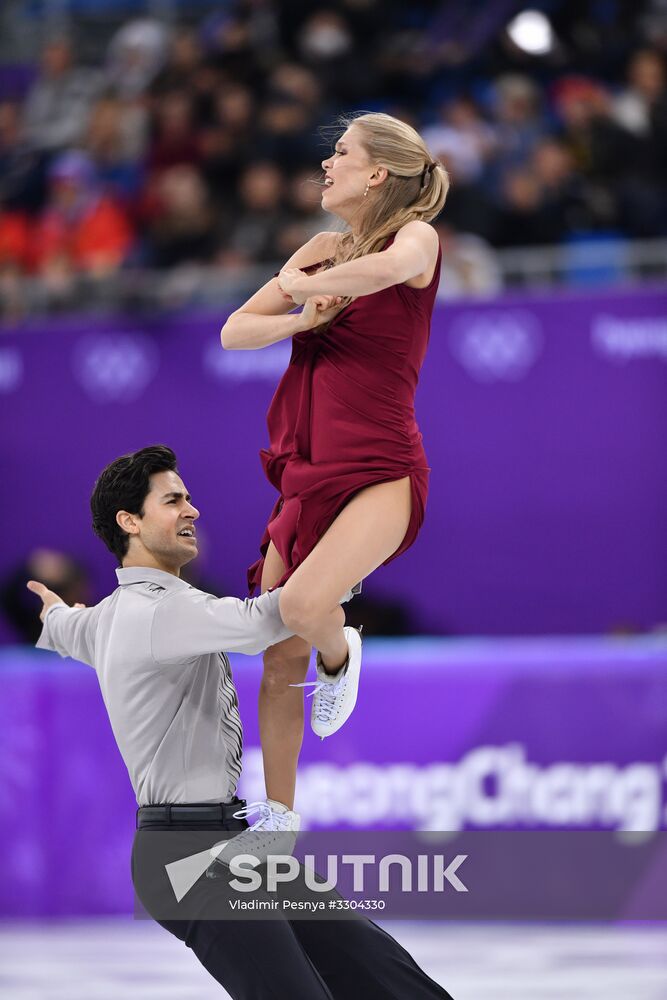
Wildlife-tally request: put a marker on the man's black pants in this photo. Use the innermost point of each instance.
(279, 959)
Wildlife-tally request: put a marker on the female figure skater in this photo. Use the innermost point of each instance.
(345, 451)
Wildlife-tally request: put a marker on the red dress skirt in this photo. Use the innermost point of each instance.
(342, 418)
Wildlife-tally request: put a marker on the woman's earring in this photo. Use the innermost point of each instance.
(368, 187)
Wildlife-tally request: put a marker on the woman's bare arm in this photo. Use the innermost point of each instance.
(265, 318)
(412, 253)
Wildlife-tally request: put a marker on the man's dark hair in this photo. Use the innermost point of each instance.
(124, 485)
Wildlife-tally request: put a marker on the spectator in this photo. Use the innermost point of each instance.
(184, 229)
(327, 47)
(522, 220)
(15, 262)
(470, 266)
(469, 207)
(405, 62)
(81, 229)
(232, 48)
(658, 140)
(632, 108)
(462, 139)
(289, 79)
(229, 141)
(236, 110)
(641, 109)
(57, 106)
(221, 162)
(604, 152)
(285, 134)
(112, 143)
(134, 57)
(519, 124)
(260, 217)
(288, 126)
(21, 168)
(305, 215)
(205, 82)
(59, 571)
(563, 199)
(184, 59)
(175, 140)
(15, 241)
(598, 144)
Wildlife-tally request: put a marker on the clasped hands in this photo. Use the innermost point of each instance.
(289, 280)
(317, 309)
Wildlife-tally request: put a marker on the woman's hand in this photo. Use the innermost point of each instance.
(319, 309)
(289, 281)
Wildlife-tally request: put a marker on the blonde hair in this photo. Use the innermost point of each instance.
(415, 188)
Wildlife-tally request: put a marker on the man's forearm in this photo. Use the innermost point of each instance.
(261, 617)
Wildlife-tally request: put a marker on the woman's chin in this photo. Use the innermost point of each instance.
(330, 204)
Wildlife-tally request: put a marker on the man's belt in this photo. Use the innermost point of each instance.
(178, 814)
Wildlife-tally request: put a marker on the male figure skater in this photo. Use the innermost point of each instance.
(156, 645)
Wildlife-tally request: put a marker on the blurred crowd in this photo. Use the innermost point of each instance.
(200, 145)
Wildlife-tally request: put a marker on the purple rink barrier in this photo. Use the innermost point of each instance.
(544, 422)
(448, 735)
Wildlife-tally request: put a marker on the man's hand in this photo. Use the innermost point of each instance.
(47, 596)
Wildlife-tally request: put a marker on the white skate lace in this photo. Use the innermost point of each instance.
(247, 841)
(328, 692)
(269, 820)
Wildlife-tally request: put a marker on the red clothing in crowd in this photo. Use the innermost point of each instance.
(101, 236)
(15, 241)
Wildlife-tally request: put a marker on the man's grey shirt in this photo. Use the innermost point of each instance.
(156, 644)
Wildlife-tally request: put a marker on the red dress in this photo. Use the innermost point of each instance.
(343, 418)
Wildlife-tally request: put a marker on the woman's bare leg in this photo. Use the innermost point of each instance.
(281, 706)
(367, 531)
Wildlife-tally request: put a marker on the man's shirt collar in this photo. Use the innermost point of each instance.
(143, 574)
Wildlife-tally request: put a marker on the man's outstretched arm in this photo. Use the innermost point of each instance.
(65, 628)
